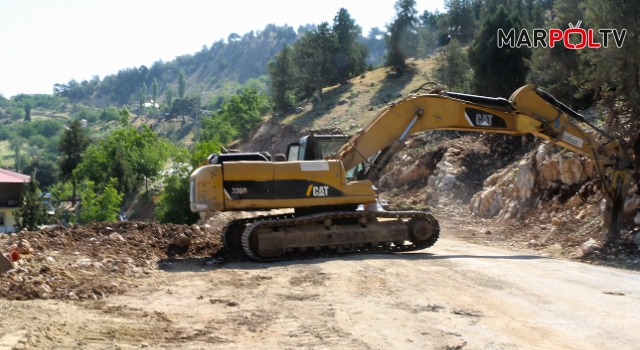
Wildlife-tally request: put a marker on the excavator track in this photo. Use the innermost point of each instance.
(423, 224)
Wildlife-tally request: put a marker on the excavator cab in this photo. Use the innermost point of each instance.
(315, 147)
(321, 147)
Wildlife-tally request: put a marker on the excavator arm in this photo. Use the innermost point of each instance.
(528, 111)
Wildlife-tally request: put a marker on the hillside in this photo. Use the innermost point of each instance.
(485, 203)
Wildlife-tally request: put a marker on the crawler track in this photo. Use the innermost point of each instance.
(289, 220)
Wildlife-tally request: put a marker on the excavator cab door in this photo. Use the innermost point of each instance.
(292, 152)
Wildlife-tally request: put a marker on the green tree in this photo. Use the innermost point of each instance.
(497, 71)
(182, 83)
(46, 172)
(102, 207)
(73, 143)
(402, 40)
(168, 94)
(452, 68)
(120, 169)
(314, 54)
(350, 59)
(108, 114)
(239, 115)
(32, 214)
(16, 144)
(173, 203)
(154, 92)
(282, 80)
(143, 98)
(459, 20)
(27, 113)
(127, 154)
(612, 73)
(123, 117)
(554, 69)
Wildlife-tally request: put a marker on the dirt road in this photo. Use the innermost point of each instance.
(454, 295)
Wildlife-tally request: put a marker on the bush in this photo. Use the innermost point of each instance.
(103, 207)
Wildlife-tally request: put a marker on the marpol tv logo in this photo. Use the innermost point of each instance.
(569, 37)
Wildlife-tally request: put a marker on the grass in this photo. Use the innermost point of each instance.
(6, 156)
(373, 89)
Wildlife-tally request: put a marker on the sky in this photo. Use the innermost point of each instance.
(43, 42)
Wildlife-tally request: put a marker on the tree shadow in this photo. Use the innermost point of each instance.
(331, 99)
(238, 262)
(392, 86)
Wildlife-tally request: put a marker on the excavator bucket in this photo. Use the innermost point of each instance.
(5, 264)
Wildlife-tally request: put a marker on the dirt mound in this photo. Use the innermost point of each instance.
(99, 259)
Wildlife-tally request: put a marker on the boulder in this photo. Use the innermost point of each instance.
(589, 246)
(550, 170)
(24, 247)
(487, 204)
(571, 170)
(525, 180)
(181, 240)
(632, 203)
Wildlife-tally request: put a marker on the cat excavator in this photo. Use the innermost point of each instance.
(324, 177)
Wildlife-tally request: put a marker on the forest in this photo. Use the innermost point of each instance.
(230, 86)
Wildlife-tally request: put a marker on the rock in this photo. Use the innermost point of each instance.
(631, 203)
(344, 101)
(574, 201)
(571, 170)
(636, 239)
(3, 236)
(550, 170)
(299, 109)
(181, 240)
(50, 259)
(24, 247)
(116, 237)
(526, 179)
(636, 218)
(555, 221)
(487, 204)
(581, 215)
(589, 246)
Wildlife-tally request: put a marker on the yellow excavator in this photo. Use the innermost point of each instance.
(324, 177)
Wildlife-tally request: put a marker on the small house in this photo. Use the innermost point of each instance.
(11, 188)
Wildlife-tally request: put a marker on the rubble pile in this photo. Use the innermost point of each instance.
(525, 194)
(98, 259)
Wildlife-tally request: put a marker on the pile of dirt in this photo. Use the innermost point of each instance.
(102, 258)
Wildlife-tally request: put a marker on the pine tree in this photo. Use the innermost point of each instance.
(351, 56)
(73, 143)
(32, 214)
(143, 98)
(280, 71)
(154, 91)
(452, 68)
(497, 71)
(168, 94)
(27, 113)
(182, 84)
(460, 20)
(314, 57)
(402, 40)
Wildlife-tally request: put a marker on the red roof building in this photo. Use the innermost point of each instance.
(10, 177)
(11, 187)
